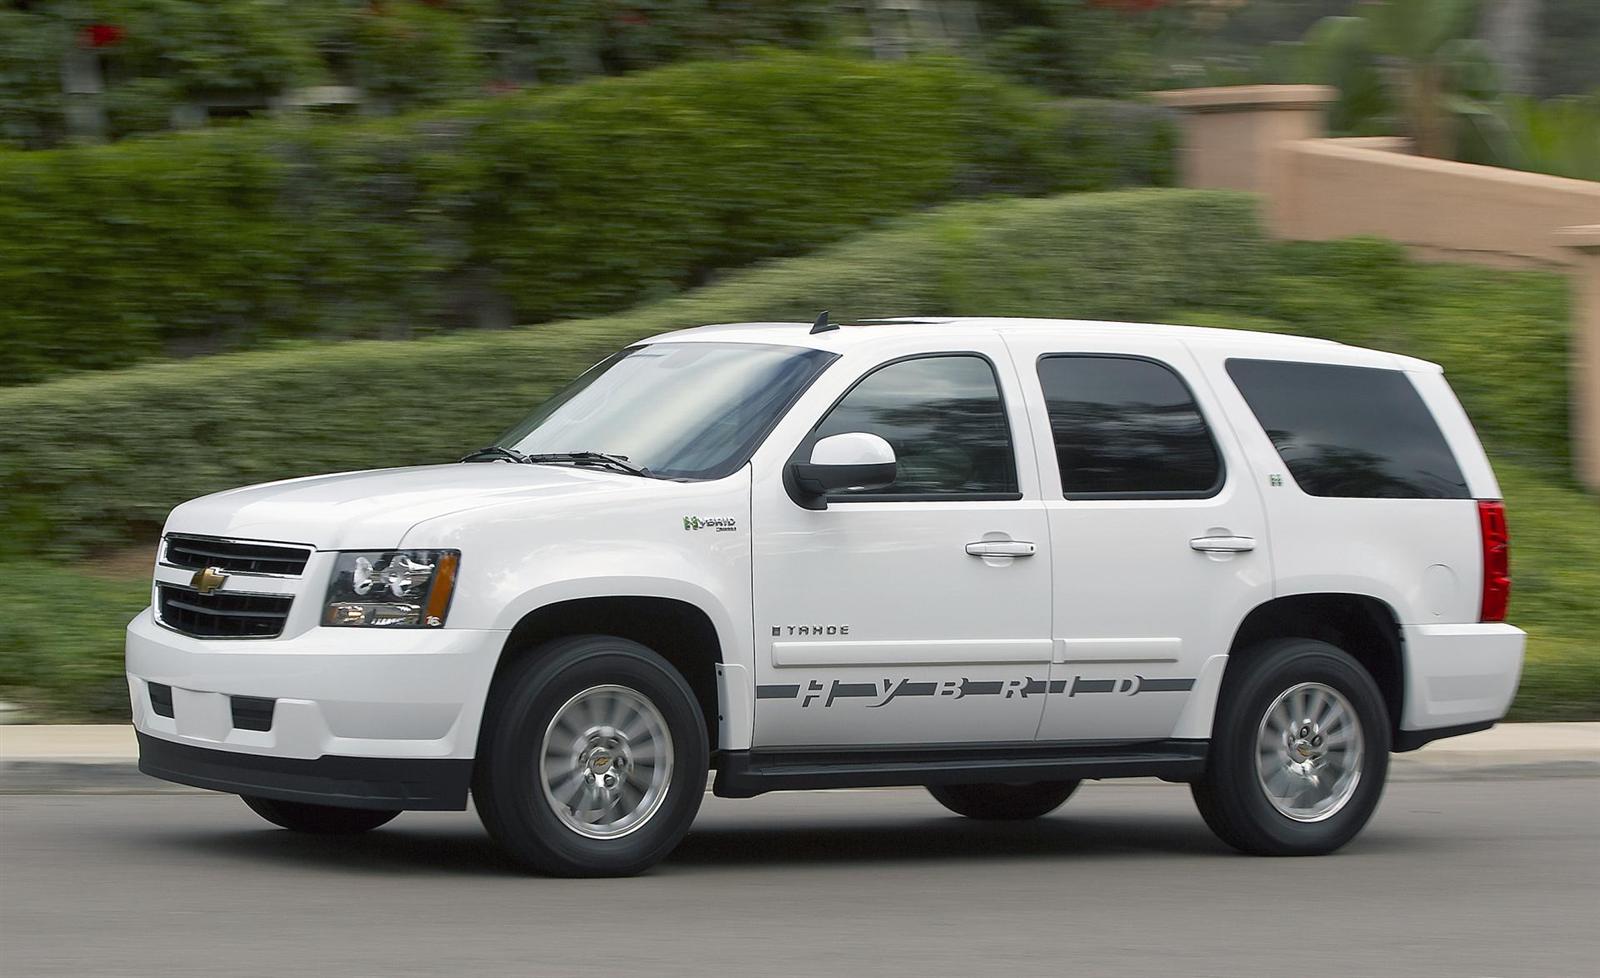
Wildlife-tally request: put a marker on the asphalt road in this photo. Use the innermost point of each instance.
(1486, 878)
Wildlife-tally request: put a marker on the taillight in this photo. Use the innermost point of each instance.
(1496, 560)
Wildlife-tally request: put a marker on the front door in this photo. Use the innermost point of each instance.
(917, 613)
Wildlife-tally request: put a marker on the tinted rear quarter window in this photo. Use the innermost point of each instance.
(1350, 431)
(1126, 427)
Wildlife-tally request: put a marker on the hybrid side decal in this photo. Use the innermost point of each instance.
(827, 693)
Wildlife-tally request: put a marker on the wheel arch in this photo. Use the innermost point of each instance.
(681, 631)
(1362, 625)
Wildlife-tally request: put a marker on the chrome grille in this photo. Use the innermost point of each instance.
(223, 614)
(236, 556)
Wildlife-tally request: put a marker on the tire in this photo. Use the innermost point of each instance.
(550, 738)
(1003, 802)
(318, 819)
(1252, 794)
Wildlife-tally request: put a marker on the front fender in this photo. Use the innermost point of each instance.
(729, 635)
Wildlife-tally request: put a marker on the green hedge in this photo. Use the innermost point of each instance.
(578, 201)
(98, 459)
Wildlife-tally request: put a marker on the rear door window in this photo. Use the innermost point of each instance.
(1127, 428)
(1350, 431)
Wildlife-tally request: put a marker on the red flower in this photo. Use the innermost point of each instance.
(102, 35)
(633, 18)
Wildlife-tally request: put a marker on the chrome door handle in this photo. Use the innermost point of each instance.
(1002, 548)
(1223, 545)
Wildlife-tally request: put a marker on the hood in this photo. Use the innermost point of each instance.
(374, 509)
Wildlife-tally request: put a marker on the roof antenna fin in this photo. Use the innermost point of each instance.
(822, 325)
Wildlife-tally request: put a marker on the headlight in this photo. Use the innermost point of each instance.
(392, 588)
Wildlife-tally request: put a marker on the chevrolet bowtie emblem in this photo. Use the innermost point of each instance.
(207, 580)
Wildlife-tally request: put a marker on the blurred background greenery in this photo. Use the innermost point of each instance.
(221, 220)
(1510, 82)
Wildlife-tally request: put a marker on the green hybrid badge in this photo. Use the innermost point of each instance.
(721, 524)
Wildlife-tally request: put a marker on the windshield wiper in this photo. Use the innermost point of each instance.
(494, 453)
(618, 462)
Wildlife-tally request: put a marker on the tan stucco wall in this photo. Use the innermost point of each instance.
(1228, 132)
(1265, 139)
(1336, 188)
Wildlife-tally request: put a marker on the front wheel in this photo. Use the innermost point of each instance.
(317, 819)
(1299, 751)
(1003, 802)
(592, 760)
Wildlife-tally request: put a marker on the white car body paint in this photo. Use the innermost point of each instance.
(865, 623)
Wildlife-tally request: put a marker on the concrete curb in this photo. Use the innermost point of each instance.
(103, 759)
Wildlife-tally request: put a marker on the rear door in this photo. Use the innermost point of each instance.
(1158, 540)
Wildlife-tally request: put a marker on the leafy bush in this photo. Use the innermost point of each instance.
(1410, 68)
(61, 642)
(1503, 338)
(1569, 35)
(408, 54)
(1071, 47)
(1115, 142)
(32, 108)
(582, 200)
(1560, 136)
(97, 460)
(207, 50)
(163, 59)
(90, 465)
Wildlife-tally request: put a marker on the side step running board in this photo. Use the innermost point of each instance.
(745, 774)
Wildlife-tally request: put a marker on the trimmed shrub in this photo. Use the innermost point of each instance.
(97, 460)
(578, 201)
(32, 107)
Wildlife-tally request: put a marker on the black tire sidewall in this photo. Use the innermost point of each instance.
(298, 816)
(1003, 802)
(506, 781)
(1231, 776)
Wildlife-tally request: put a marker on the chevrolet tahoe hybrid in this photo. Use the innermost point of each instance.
(992, 557)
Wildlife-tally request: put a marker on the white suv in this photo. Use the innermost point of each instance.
(989, 556)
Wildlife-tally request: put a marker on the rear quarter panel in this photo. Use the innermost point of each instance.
(1421, 557)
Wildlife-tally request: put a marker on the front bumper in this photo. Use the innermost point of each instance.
(354, 712)
(387, 783)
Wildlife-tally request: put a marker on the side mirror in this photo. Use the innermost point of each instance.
(853, 460)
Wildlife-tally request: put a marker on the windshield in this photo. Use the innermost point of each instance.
(679, 410)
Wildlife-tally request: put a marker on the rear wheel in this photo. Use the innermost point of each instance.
(317, 819)
(592, 760)
(1003, 802)
(1299, 751)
